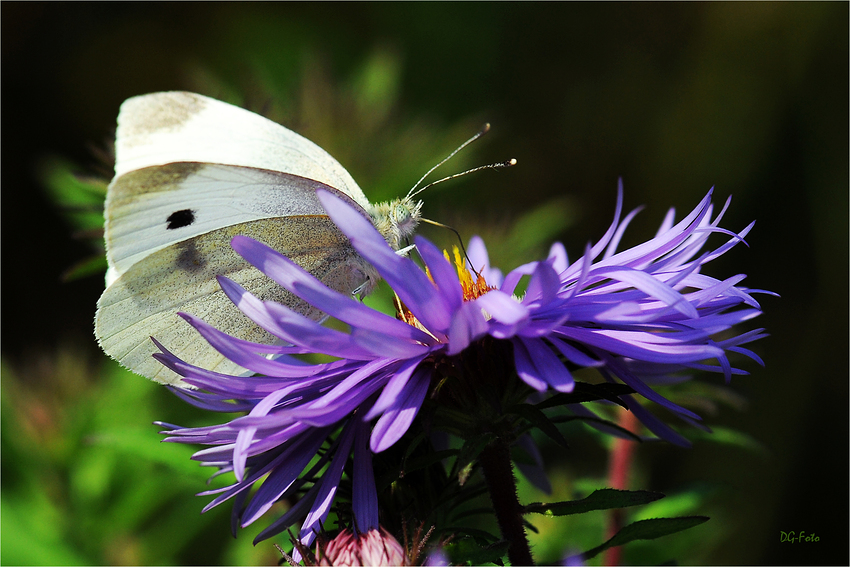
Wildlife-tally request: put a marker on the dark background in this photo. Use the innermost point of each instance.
(751, 98)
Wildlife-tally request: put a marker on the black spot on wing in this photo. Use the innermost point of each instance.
(179, 219)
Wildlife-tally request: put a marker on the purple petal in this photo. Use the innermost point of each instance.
(397, 419)
(298, 456)
(364, 494)
(479, 262)
(477, 252)
(573, 354)
(618, 234)
(328, 485)
(395, 385)
(468, 324)
(300, 330)
(535, 472)
(559, 253)
(654, 424)
(442, 273)
(503, 307)
(651, 286)
(549, 367)
(298, 281)
(385, 346)
(543, 286)
(238, 354)
(289, 517)
(641, 388)
(405, 278)
(512, 279)
(634, 344)
(525, 366)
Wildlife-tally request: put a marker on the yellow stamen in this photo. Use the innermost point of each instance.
(472, 289)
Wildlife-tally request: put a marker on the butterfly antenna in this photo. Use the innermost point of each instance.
(484, 129)
(500, 165)
(459, 240)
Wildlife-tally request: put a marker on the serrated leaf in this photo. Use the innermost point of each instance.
(602, 499)
(683, 503)
(646, 529)
(540, 420)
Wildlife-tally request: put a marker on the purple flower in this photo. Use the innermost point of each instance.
(639, 316)
(644, 315)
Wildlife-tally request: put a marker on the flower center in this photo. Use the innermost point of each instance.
(472, 288)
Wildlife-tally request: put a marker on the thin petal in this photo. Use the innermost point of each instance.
(397, 419)
(395, 385)
(442, 273)
(503, 307)
(468, 324)
(525, 367)
(364, 494)
(548, 366)
(404, 276)
(295, 279)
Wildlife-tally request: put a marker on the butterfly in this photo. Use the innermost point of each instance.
(191, 172)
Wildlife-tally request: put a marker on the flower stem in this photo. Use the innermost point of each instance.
(498, 472)
(619, 469)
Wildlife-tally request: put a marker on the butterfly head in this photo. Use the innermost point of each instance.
(397, 219)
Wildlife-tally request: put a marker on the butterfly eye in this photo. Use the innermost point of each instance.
(179, 219)
(402, 214)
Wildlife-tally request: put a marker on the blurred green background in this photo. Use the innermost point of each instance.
(751, 98)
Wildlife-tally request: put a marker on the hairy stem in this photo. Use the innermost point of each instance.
(498, 472)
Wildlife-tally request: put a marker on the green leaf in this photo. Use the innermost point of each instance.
(646, 529)
(425, 461)
(465, 550)
(567, 418)
(603, 499)
(584, 392)
(473, 512)
(540, 420)
(728, 436)
(87, 267)
(80, 197)
(472, 447)
(490, 554)
(686, 502)
(474, 533)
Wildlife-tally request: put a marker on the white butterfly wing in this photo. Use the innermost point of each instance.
(151, 208)
(191, 172)
(181, 128)
(144, 301)
(168, 127)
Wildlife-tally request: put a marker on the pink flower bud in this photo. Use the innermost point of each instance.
(375, 547)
